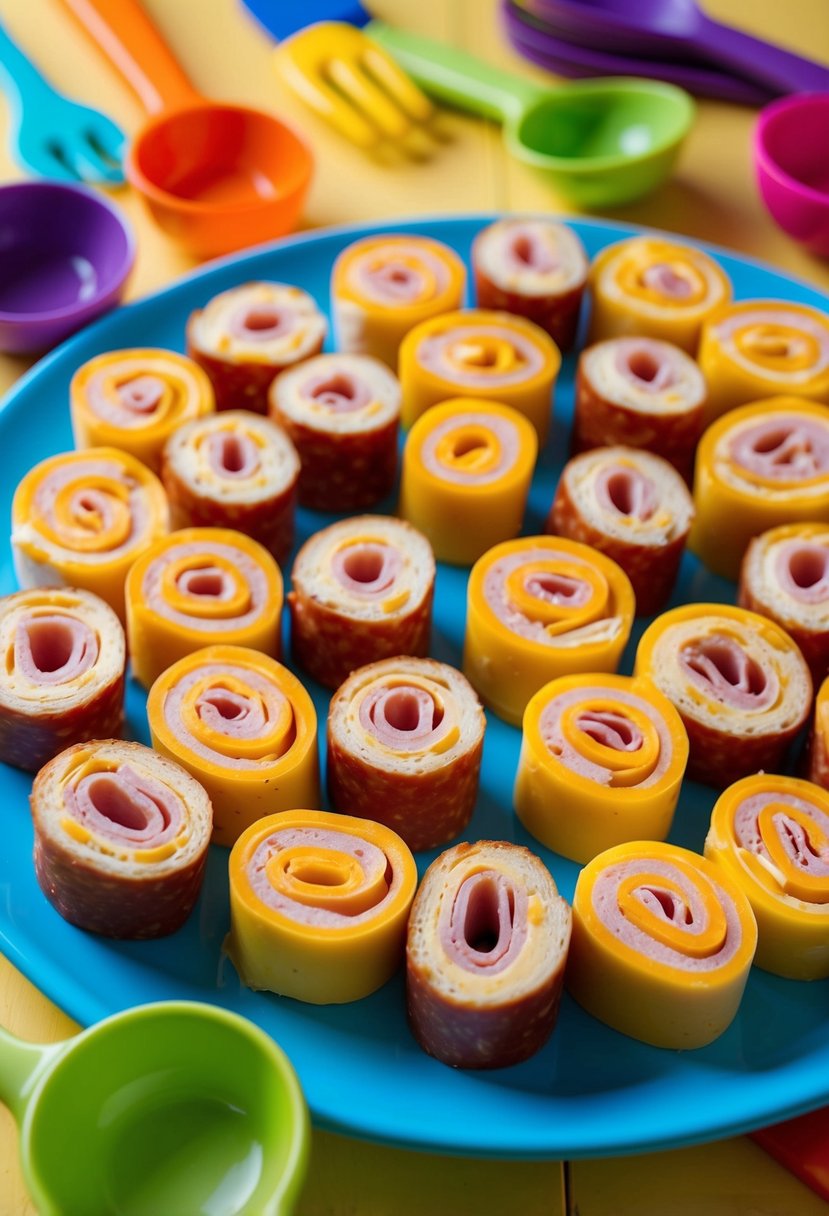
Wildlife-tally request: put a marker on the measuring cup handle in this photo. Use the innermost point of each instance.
(454, 76)
(782, 70)
(20, 1065)
(133, 45)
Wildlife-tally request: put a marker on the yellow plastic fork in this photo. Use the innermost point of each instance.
(352, 83)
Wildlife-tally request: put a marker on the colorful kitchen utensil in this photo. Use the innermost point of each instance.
(169, 1107)
(53, 136)
(535, 40)
(216, 176)
(791, 162)
(680, 30)
(281, 19)
(65, 257)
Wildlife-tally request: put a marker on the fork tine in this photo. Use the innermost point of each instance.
(364, 93)
(54, 164)
(400, 86)
(109, 139)
(326, 101)
(90, 165)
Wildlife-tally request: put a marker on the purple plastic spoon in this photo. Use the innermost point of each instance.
(678, 30)
(532, 40)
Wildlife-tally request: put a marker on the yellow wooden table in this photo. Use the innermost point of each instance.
(712, 197)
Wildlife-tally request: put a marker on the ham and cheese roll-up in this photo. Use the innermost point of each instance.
(771, 835)
(663, 941)
(740, 684)
(198, 587)
(759, 467)
(818, 751)
(764, 348)
(63, 678)
(318, 905)
(785, 576)
(534, 267)
(641, 393)
(649, 287)
(244, 336)
(485, 955)
(234, 470)
(480, 354)
(537, 608)
(382, 286)
(342, 413)
(467, 468)
(135, 399)
(245, 728)
(602, 761)
(634, 507)
(121, 838)
(405, 738)
(80, 519)
(362, 590)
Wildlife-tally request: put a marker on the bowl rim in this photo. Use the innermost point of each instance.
(766, 161)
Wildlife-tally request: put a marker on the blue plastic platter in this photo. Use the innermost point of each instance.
(590, 1091)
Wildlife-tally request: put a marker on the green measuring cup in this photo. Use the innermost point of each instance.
(170, 1109)
(600, 142)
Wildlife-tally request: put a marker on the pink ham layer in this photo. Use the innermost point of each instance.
(483, 901)
(205, 575)
(91, 501)
(402, 717)
(524, 251)
(54, 649)
(371, 860)
(129, 809)
(395, 282)
(649, 365)
(610, 729)
(803, 571)
(368, 569)
(662, 278)
(136, 398)
(784, 448)
(262, 322)
(686, 915)
(623, 490)
(232, 455)
(548, 587)
(505, 433)
(339, 391)
(791, 834)
(723, 670)
(431, 356)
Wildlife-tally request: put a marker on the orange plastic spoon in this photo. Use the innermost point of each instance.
(216, 176)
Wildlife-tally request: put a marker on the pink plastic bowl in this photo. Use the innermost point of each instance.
(791, 158)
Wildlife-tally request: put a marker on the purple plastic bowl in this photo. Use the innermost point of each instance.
(791, 160)
(65, 256)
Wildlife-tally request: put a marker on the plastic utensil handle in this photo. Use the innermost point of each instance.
(134, 46)
(773, 66)
(21, 1064)
(25, 83)
(454, 76)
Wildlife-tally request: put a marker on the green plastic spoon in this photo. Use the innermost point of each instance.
(171, 1109)
(600, 142)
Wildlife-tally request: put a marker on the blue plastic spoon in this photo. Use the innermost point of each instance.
(53, 136)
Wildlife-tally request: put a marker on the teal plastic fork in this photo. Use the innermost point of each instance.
(53, 136)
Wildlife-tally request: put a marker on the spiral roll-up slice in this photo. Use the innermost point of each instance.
(382, 286)
(234, 470)
(62, 681)
(80, 519)
(662, 944)
(245, 336)
(405, 738)
(740, 684)
(362, 591)
(245, 727)
(818, 751)
(121, 838)
(467, 468)
(318, 905)
(343, 414)
(534, 267)
(485, 955)
(641, 393)
(480, 354)
(135, 399)
(759, 467)
(634, 507)
(198, 587)
(771, 835)
(649, 287)
(602, 761)
(785, 576)
(763, 348)
(538, 608)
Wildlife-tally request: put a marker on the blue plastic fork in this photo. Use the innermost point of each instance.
(53, 136)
